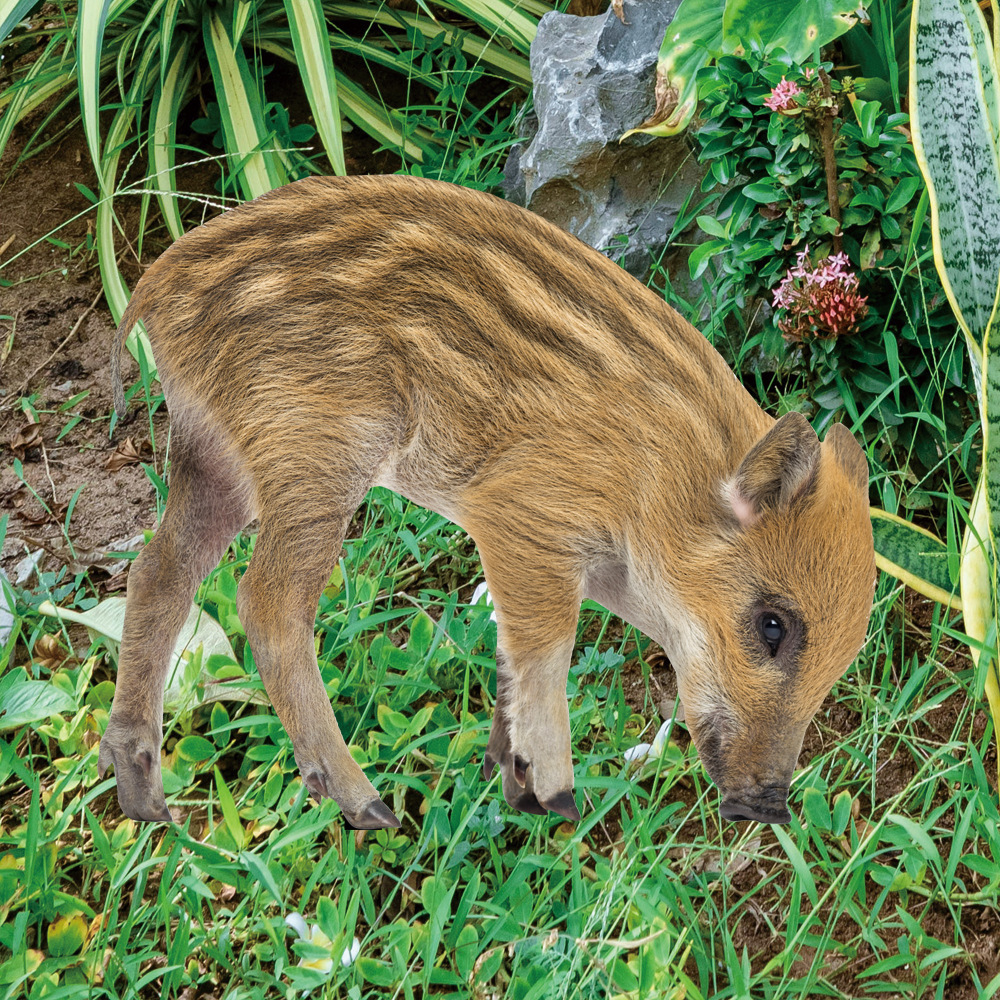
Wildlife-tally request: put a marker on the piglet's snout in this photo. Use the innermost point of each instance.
(768, 805)
(752, 769)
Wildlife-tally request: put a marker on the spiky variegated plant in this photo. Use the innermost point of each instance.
(955, 120)
(148, 59)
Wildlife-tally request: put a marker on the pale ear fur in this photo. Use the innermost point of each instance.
(777, 471)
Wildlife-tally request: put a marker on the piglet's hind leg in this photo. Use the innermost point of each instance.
(205, 509)
(296, 550)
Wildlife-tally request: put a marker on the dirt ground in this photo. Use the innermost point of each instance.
(55, 343)
(58, 330)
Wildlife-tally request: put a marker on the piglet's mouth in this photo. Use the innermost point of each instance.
(767, 808)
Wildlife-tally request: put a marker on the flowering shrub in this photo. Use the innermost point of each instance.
(820, 301)
(794, 159)
(782, 98)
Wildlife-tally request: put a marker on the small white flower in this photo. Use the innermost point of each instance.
(642, 751)
(315, 936)
(639, 752)
(351, 952)
(662, 735)
(477, 596)
(298, 924)
(323, 965)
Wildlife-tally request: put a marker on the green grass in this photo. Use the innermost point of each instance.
(880, 885)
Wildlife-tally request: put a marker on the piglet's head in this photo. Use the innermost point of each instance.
(784, 609)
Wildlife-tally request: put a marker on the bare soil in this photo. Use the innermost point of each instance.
(55, 316)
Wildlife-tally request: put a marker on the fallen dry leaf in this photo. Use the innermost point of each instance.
(127, 453)
(49, 652)
(28, 436)
(54, 514)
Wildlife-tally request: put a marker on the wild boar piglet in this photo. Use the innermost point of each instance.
(342, 333)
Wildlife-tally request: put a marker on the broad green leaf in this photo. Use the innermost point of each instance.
(66, 936)
(989, 404)
(954, 66)
(17, 968)
(195, 749)
(311, 42)
(692, 40)
(199, 630)
(23, 701)
(800, 27)
(913, 555)
(978, 592)
(704, 29)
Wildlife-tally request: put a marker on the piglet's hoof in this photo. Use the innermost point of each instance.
(137, 774)
(564, 804)
(518, 788)
(374, 816)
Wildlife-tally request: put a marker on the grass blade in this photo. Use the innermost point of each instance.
(12, 11)
(168, 20)
(163, 134)
(91, 17)
(508, 65)
(381, 123)
(116, 291)
(41, 82)
(311, 42)
(240, 109)
(498, 18)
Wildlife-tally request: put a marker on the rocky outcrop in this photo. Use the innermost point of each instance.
(594, 79)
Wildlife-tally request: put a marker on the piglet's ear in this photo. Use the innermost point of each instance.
(849, 454)
(778, 470)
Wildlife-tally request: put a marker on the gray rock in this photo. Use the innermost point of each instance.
(594, 79)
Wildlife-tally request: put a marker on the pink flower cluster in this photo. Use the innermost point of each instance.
(782, 98)
(820, 301)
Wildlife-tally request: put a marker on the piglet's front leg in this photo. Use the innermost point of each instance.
(537, 609)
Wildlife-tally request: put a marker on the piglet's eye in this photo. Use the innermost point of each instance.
(771, 631)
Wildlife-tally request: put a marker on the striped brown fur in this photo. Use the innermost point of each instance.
(340, 333)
